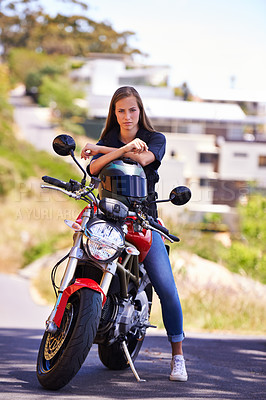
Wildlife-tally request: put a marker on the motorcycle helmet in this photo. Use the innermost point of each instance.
(123, 180)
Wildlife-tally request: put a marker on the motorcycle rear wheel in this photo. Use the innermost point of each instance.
(113, 356)
(62, 354)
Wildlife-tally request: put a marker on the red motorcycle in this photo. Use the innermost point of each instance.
(105, 295)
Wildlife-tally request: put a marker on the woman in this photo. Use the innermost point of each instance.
(129, 133)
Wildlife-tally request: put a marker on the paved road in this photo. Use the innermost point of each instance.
(219, 367)
(17, 308)
(32, 121)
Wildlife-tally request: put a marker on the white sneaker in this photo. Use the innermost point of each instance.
(178, 369)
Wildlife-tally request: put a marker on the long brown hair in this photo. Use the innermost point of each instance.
(121, 93)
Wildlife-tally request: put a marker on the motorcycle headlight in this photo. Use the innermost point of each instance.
(104, 240)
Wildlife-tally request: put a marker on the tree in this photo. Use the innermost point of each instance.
(253, 219)
(249, 253)
(23, 62)
(24, 23)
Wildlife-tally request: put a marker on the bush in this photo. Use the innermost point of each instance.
(72, 127)
(8, 177)
(5, 107)
(253, 219)
(45, 79)
(242, 257)
(247, 253)
(33, 80)
(199, 242)
(61, 93)
(23, 62)
(249, 260)
(44, 247)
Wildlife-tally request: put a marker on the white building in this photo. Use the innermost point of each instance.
(189, 160)
(207, 147)
(216, 174)
(243, 161)
(173, 115)
(253, 101)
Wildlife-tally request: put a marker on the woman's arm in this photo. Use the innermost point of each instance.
(144, 158)
(92, 149)
(136, 150)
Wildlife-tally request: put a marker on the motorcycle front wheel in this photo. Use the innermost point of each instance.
(62, 354)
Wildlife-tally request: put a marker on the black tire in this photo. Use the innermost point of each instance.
(61, 355)
(113, 356)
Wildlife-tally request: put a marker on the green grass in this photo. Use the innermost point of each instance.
(28, 162)
(207, 311)
(217, 311)
(216, 308)
(48, 246)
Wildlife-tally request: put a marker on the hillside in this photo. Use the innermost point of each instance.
(31, 220)
(215, 298)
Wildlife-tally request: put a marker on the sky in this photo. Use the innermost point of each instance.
(210, 44)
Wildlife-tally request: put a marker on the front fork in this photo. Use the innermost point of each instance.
(76, 253)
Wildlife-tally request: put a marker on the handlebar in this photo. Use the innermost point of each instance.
(173, 237)
(56, 182)
(162, 229)
(70, 186)
(72, 189)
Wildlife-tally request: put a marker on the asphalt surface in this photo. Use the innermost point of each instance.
(219, 366)
(32, 122)
(17, 308)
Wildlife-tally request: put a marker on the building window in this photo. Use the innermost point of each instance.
(262, 161)
(163, 128)
(182, 128)
(240, 155)
(205, 182)
(207, 158)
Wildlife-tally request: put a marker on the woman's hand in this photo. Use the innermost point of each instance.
(89, 150)
(136, 146)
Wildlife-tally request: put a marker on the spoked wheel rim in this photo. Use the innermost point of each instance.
(55, 341)
(55, 344)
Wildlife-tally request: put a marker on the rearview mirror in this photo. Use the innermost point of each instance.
(64, 145)
(180, 195)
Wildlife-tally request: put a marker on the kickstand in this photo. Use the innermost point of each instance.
(129, 359)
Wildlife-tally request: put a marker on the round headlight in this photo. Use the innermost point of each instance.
(104, 240)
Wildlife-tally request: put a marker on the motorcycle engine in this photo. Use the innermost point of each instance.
(121, 316)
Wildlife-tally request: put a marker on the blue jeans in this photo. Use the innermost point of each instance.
(158, 267)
